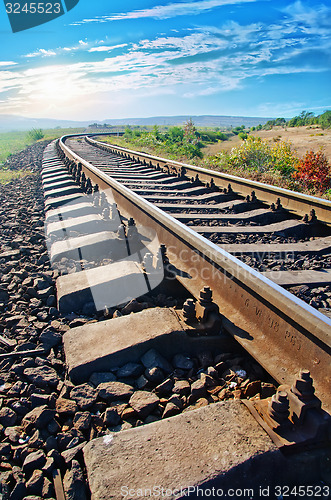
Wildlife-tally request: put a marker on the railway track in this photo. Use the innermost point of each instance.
(115, 216)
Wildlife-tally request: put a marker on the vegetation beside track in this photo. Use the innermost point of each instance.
(277, 162)
(8, 175)
(13, 142)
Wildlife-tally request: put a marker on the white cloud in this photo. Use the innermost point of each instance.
(166, 11)
(42, 53)
(81, 45)
(105, 48)
(7, 63)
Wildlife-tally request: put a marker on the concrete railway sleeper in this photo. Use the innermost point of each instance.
(187, 373)
(151, 252)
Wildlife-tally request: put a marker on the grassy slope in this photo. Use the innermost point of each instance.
(9, 175)
(13, 142)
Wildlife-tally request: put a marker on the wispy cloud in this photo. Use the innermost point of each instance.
(81, 45)
(7, 63)
(41, 53)
(166, 11)
(105, 48)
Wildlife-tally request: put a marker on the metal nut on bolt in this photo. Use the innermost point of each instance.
(303, 385)
(279, 407)
(206, 294)
(148, 261)
(189, 312)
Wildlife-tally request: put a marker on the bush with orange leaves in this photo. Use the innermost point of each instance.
(314, 172)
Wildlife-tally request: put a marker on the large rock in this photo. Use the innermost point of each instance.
(74, 484)
(38, 417)
(67, 406)
(143, 403)
(182, 362)
(36, 482)
(50, 339)
(153, 358)
(130, 370)
(100, 377)
(42, 376)
(170, 410)
(70, 453)
(182, 387)
(84, 395)
(82, 420)
(110, 391)
(8, 417)
(111, 417)
(35, 460)
(198, 389)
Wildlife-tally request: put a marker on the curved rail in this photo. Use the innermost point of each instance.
(283, 333)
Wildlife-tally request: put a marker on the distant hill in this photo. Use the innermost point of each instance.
(16, 122)
(199, 120)
(9, 123)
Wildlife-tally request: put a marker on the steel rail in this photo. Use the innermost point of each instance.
(279, 330)
(297, 203)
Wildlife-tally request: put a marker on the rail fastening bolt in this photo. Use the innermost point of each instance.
(206, 294)
(278, 408)
(303, 386)
(189, 312)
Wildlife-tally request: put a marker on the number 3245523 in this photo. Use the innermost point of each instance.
(33, 8)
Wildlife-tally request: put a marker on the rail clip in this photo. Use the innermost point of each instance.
(293, 417)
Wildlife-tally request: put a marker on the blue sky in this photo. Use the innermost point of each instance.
(106, 60)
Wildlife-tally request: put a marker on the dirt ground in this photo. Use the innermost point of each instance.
(301, 138)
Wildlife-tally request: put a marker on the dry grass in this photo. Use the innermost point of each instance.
(8, 175)
(302, 139)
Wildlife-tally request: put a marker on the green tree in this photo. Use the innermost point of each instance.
(175, 134)
(191, 139)
(128, 132)
(324, 120)
(156, 132)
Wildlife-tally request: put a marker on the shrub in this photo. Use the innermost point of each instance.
(35, 134)
(128, 132)
(222, 137)
(283, 158)
(314, 172)
(256, 154)
(253, 154)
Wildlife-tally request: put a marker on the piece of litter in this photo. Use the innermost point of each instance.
(241, 373)
(107, 439)
(24, 440)
(232, 385)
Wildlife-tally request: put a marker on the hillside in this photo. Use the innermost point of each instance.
(10, 123)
